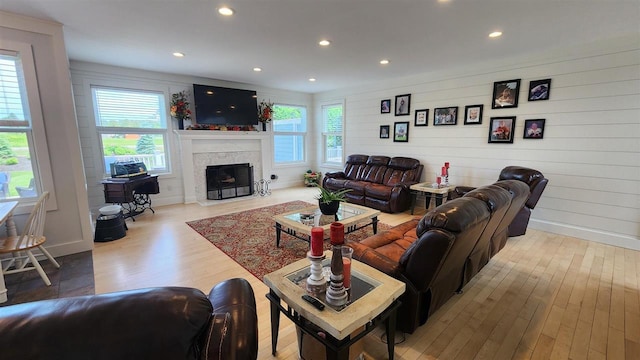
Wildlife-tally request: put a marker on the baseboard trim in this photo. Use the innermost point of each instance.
(69, 248)
(608, 238)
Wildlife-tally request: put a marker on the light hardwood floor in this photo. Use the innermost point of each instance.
(544, 296)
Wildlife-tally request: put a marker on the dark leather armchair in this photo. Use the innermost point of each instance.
(536, 182)
(155, 323)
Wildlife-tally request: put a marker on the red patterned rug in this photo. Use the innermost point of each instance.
(249, 237)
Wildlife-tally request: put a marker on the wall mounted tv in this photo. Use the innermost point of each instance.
(225, 106)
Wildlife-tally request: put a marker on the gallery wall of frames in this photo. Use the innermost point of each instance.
(506, 94)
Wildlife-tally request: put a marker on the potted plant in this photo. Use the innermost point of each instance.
(329, 201)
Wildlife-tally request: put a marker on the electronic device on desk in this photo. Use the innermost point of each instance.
(128, 169)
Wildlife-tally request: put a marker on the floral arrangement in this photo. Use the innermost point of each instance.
(265, 111)
(180, 106)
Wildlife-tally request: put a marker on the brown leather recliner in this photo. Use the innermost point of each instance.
(428, 254)
(378, 182)
(503, 199)
(498, 201)
(536, 182)
(437, 255)
(155, 323)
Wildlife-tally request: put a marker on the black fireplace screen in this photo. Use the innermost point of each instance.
(229, 181)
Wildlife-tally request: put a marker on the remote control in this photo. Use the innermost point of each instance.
(313, 301)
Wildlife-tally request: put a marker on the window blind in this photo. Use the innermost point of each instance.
(130, 109)
(13, 107)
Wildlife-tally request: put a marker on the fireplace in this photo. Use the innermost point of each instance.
(229, 181)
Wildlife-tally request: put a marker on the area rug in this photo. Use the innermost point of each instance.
(249, 237)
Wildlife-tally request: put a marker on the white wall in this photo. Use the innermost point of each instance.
(591, 146)
(68, 228)
(171, 189)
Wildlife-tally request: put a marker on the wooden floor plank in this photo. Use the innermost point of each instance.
(632, 350)
(615, 344)
(542, 296)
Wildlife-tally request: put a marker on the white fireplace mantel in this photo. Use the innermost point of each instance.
(194, 142)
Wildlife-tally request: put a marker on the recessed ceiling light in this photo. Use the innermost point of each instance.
(178, 54)
(209, 92)
(384, 62)
(257, 69)
(225, 11)
(324, 42)
(312, 79)
(495, 34)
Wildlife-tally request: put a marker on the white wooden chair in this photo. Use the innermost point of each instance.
(21, 247)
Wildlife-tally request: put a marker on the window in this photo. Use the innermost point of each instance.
(132, 126)
(19, 175)
(290, 129)
(332, 120)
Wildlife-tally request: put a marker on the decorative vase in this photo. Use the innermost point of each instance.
(330, 208)
(180, 124)
(264, 126)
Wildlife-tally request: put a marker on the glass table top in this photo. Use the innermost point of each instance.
(313, 217)
(360, 284)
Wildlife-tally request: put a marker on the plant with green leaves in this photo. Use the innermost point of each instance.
(145, 145)
(327, 196)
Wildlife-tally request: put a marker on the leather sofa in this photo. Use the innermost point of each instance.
(436, 255)
(378, 182)
(154, 323)
(536, 182)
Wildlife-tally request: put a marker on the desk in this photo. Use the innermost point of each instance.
(131, 193)
(377, 306)
(6, 217)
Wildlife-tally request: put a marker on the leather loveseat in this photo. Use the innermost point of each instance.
(536, 182)
(436, 255)
(378, 182)
(155, 323)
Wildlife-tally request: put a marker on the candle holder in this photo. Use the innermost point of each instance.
(446, 174)
(316, 283)
(336, 293)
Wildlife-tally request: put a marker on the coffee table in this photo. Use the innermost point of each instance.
(353, 217)
(373, 300)
(428, 190)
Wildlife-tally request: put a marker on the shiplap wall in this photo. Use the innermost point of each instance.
(591, 146)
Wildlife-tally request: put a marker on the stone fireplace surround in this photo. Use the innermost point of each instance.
(201, 148)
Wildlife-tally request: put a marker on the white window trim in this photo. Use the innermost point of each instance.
(324, 134)
(88, 83)
(304, 135)
(43, 174)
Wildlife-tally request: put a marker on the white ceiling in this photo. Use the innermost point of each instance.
(281, 36)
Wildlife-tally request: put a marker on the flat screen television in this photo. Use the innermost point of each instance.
(225, 106)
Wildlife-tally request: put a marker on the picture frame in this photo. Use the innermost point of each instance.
(445, 116)
(403, 105)
(401, 131)
(384, 131)
(501, 129)
(533, 129)
(421, 117)
(385, 106)
(473, 114)
(539, 89)
(505, 94)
